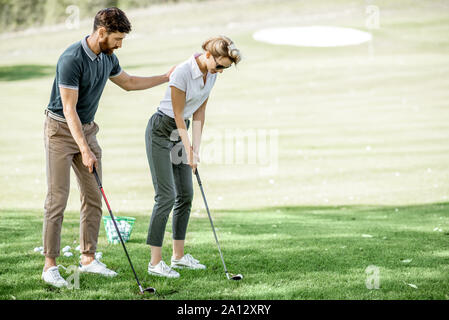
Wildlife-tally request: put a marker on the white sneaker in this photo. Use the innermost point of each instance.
(52, 276)
(162, 270)
(187, 261)
(97, 267)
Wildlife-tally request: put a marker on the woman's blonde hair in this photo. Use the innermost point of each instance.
(221, 46)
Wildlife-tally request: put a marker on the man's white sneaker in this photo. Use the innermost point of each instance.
(162, 270)
(52, 276)
(187, 261)
(97, 267)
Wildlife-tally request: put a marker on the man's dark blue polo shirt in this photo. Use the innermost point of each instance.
(81, 69)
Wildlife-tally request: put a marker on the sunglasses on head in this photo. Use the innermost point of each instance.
(219, 66)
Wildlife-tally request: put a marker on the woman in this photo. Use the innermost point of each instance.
(171, 156)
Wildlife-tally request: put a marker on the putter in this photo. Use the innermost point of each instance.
(142, 291)
(230, 276)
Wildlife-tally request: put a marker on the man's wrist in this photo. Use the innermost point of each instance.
(85, 149)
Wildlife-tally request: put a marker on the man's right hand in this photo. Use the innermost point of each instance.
(89, 160)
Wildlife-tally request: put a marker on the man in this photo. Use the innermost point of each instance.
(70, 135)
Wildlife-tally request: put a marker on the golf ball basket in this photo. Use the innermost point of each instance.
(124, 224)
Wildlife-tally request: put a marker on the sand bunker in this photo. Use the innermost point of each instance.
(313, 36)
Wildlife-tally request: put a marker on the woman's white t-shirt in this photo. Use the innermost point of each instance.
(188, 77)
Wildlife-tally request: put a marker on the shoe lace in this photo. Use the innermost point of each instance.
(97, 262)
(55, 273)
(165, 267)
(100, 263)
(105, 270)
(190, 258)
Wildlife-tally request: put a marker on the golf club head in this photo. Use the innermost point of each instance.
(236, 277)
(149, 290)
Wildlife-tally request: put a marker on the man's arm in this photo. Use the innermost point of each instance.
(69, 99)
(129, 83)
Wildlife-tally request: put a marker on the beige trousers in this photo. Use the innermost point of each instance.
(62, 152)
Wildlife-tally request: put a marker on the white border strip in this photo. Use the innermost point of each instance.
(67, 87)
(116, 75)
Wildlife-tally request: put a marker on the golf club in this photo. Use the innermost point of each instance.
(149, 289)
(230, 276)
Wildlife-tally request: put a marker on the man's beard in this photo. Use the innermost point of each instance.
(105, 48)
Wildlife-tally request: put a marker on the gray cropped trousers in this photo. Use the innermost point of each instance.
(172, 178)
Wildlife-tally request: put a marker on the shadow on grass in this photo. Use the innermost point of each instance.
(25, 72)
(299, 252)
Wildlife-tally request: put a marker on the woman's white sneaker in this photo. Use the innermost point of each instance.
(97, 267)
(187, 261)
(53, 277)
(162, 270)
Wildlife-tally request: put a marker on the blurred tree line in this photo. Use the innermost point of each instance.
(20, 14)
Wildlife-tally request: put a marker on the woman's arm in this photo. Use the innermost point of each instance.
(178, 99)
(197, 127)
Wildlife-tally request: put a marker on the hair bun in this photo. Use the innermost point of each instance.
(234, 53)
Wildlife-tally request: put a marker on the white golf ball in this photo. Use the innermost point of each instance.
(66, 249)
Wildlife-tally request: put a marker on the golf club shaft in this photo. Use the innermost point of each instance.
(210, 219)
(116, 227)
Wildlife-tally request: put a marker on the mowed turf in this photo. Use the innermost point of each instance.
(283, 253)
(361, 131)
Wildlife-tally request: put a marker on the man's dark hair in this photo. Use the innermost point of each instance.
(113, 20)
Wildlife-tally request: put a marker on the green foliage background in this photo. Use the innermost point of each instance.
(21, 14)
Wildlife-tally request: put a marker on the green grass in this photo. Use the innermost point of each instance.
(24, 72)
(283, 253)
(362, 130)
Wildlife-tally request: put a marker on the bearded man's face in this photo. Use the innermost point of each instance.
(111, 41)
